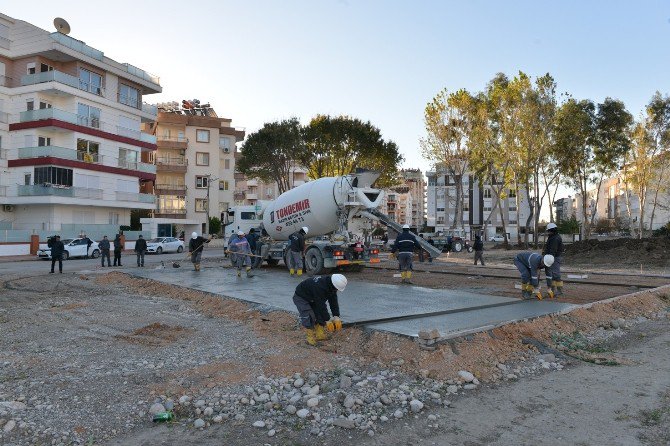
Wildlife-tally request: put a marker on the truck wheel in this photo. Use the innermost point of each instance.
(313, 261)
(273, 262)
(457, 247)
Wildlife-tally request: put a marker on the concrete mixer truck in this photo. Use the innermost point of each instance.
(325, 206)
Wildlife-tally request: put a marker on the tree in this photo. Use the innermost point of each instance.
(272, 152)
(339, 145)
(214, 225)
(659, 117)
(569, 226)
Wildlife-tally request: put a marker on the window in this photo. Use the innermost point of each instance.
(30, 104)
(87, 181)
(223, 185)
(131, 186)
(432, 181)
(26, 178)
(440, 209)
(43, 141)
(90, 81)
(487, 208)
(224, 143)
(127, 158)
(248, 215)
(487, 193)
(201, 182)
(87, 150)
(30, 68)
(44, 68)
(88, 116)
(202, 159)
(113, 218)
(512, 208)
(129, 96)
(170, 202)
(201, 205)
(466, 207)
(202, 135)
(512, 193)
(53, 175)
(226, 164)
(44, 105)
(512, 222)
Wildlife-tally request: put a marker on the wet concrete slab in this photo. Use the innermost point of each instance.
(361, 301)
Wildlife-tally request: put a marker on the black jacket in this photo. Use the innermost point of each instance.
(479, 245)
(57, 249)
(89, 242)
(297, 240)
(317, 291)
(118, 246)
(405, 242)
(196, 243)
(103, 244)
(252, 238)
(553, 245)
(140, 245)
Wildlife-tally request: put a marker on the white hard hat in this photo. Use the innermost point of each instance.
(305, 229)
(339, 281)
(240, 232)
(548, 260)
(405, 226)
(194, 235)
(551, 226)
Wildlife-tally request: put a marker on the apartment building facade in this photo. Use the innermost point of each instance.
(195, 166)
(441, 205)
(71, 146)
(248, 191)
(405, 203)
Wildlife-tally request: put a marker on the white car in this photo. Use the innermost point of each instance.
(73, 248)
(498, 238)
(160, 245)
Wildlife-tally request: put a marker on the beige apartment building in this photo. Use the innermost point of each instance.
(195, 166)
(405, 203)
(250, 191)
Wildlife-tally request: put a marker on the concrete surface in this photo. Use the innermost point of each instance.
(363, 301)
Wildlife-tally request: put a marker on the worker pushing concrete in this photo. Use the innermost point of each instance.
(297, 251)
(405, 244)
(529, 265)
(240, 250)
(310, 298)
(554, 246)
(195, 247)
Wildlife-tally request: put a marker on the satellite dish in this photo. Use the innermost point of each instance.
(61, 25)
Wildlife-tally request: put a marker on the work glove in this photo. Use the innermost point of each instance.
(538, 293)
(330, 325)
(334, 324)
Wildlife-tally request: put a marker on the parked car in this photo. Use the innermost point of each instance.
(498, 238)
(160, 245)
(73, 248)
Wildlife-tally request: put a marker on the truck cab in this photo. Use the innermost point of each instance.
(243, 218)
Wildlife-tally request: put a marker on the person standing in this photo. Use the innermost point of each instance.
(310, 298)
(297, 251)
(104, 251)
(241, 249)
(118, 247)
(479, 249)
(57, 250)
(529, 265)
(554, 246)
(252, 238)
(140, 250)
(89, 242)
(405, 244)
(195, 247)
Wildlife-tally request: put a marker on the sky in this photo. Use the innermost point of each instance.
(257, 61)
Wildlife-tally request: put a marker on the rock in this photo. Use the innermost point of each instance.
(350, 373)
(184, 399)
(314, 390)
(349, 402)
(398, 362)
(344, 423)
(452, 389)
(383, 418)
(302, 413)
(548, 357)
(398, 413)
(199, 423)
(259, 424)
(239, 417)
(291, 409)
(371, 433)
(11, 424)
(298, 383)
(432, 417)
(345, 382)
(208, 412)
(200, 403)
(271, 433)
(416, 406)
(263, 397)
(217, 419)
(169, 405)
(16, 405)
(425, 335)
(511, 376)
(156, 408)
(385, 400)
(312, 402)
(466, 376)
(469, 386)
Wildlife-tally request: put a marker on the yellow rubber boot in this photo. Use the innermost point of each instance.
(408, 277)
(300, 272)
(310, 336)
(559, 287)
(321, 334)
(239, 272)
(291, 271)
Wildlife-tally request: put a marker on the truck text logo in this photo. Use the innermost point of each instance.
(287, 213)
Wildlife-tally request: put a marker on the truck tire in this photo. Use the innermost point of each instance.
(457, 246)
(273, 262)
(314, 262)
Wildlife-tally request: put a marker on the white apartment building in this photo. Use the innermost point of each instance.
(478, 203)
(405, 203)
(195, 164)
(250, 191)
(71, 145)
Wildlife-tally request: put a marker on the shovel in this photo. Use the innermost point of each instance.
(177, 263)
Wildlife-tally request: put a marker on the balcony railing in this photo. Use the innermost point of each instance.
(77, 155)
(141, 73)
(47, 189)
(149, 108)
(62, 78)
(129, 101)
(135, 197)
(77, 45)
(176, 161)
(172, 138)
(171, 211)
(134, 165)
(174, 187)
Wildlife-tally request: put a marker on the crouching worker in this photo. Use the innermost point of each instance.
(529, 265)
(311, 296)
(554, 246)
(195, 247)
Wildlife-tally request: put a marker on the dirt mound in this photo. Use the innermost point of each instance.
(155, 334)
(622, 251)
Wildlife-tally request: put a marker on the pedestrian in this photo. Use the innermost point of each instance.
(240, 248)
(104, 251)
(140, 250)
(554, 246)
(89, 242)
(479, 249)
(297, 251)
(252, 238)
(529, 265)
(310, 298)
(118, 247)
(57, 250)
(405, 243)
(195, 247)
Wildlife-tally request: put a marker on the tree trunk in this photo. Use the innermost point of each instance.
(643, 200)
(595, 206)
(657, 188)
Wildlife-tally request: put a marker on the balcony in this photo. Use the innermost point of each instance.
(149, 109)
(170, 189)
(238, 195)
(62, 78)
(40, 190)
(252, 183)
(178, 165)
(133, 165)
(172, 142)
(132, 69)
(5, 81)
(170, 213)
(135, 197)
(239, 176)
(78, 46)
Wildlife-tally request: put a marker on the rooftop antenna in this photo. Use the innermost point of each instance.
(62, 26)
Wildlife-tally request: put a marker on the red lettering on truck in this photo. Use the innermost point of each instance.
(294, 208)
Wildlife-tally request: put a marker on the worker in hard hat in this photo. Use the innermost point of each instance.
(240, 248)
(529, 265)
(311, 296)
(296, 251)
(405, 244)
(195, 247)
(554, 246)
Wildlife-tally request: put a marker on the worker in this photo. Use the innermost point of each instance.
(297, 251)
(554, 246)
(239, 247)
(405, 244)
(479, 249)
(529, 265)
(252, 238)
(195, 247)
(57, 250)
(310, 298)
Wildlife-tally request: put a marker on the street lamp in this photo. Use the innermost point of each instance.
(209, 182)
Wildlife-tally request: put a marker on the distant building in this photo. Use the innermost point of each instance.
(405, 203)
(248, 191)
(564, 209)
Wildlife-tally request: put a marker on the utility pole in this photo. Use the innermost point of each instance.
(209, 182)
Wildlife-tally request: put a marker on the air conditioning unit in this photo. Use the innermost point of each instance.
(8, 207)
(226, 149)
